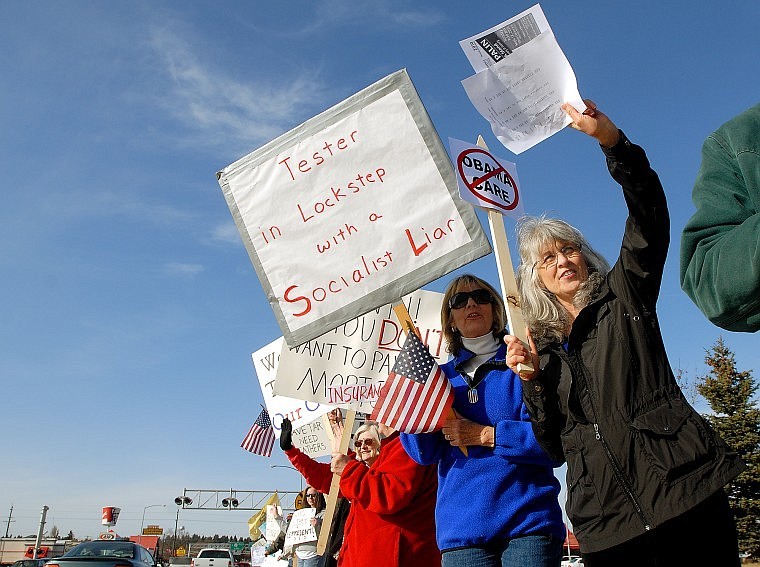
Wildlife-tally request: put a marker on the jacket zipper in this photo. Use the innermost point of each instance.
(616, 469)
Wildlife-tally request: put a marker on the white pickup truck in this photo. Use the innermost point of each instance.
(210, 557)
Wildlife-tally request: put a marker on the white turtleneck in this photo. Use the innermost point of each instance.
(484, 347)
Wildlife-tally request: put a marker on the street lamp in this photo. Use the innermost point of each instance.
(142, 522)
(179, 501)
(292, 468)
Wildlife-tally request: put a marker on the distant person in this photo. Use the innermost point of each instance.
(498, 504)
(307, 552)
(391, 518)
(645, 472)
(720, 245)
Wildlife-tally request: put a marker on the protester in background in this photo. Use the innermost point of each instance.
(392, 499)
(307, 552)
(720, 247)
(279, 543)
(644, 471)
(498, 504)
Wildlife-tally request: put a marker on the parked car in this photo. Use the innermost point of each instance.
(180, 561)
(30, 562)
(105, 553)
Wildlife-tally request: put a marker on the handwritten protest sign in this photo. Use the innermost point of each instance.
(300, 529)
(351, 210)
(309, 433)
(347, 366)
(274, 523)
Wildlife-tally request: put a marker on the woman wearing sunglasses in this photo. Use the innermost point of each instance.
(391, 521)
(307, 552)
(497, 505)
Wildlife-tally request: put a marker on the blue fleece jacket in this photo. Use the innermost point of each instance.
(492, 494)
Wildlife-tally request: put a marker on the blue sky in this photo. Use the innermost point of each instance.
(128, 305)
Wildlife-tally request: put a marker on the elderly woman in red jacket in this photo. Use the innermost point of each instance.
(391, 521)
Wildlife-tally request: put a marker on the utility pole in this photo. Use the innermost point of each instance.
(8, 525)
(38, 541)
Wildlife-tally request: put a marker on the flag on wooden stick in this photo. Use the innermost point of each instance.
(417, 396)
(260, 438)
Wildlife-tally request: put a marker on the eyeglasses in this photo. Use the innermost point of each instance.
(312, 495)
(550, 259)
(460, 299)
(366, 442)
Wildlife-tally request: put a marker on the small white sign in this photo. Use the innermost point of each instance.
(300, 529)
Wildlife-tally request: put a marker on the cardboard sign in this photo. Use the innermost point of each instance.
(359, 354)
(309, 433)
(300, 529)
(351, 210)
(274, 523)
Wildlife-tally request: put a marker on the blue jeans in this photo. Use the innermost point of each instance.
(526, 551)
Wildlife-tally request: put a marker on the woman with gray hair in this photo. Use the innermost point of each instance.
(645, 472)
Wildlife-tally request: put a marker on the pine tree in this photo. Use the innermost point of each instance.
(737, 420)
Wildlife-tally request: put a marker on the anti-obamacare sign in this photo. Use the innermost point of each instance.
(351, 210)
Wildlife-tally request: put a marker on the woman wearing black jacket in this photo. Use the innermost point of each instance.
(645, 472)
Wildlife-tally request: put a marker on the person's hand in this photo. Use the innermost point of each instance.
(338, 463)
(460, 432)
(313, 522)
(594, 123)
(335, 417)
(286, 435)
(520, 353)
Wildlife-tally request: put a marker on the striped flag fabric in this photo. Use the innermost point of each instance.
(260, 438)
(417, 396)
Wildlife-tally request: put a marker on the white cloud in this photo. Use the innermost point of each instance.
(225, 110)
(181, 269)
(226, 233)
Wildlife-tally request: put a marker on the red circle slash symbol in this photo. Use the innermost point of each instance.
(498, 170)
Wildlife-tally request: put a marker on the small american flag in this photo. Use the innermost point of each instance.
(417, 396)
(260, 438)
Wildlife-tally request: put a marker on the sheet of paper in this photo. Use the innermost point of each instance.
(491, 46)
(521, 88)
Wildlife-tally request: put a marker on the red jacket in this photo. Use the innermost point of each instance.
(391, 522)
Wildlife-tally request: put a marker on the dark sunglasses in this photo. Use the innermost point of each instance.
(460, 299)
(311, 495)
(366, 442)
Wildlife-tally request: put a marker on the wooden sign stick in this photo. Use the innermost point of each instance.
(515, 319)
(407, 324)
(332, 497)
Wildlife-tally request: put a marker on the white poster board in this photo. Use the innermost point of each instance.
(309, 433)
(347, 366)
(300, 529)
(274, 523)
(351, 210)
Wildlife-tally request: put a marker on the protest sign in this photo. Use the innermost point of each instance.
(484, 180)
(351, 210)
(300, 529)
(347, 366)
(522, 78)
(274, 523)
(309, 433)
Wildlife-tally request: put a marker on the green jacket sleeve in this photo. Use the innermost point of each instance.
(720, 247)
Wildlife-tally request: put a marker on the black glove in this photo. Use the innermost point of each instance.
(286, 435)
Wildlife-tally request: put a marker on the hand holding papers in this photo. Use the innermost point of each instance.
(522, 78)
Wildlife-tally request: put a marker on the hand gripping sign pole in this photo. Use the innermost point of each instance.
(515, 318)
(332, 497)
